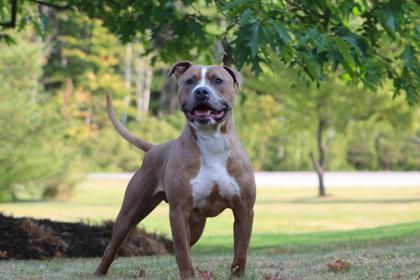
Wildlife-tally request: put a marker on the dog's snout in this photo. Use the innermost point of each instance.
(201, 93)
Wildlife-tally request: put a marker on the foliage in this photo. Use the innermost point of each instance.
(259, 123)
(80, 72)
(105, 150)
(364, 42)
(27, 162)
(83, 64)
(364, 131)
(58, 86)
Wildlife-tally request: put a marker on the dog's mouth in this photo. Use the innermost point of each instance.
(205, 114)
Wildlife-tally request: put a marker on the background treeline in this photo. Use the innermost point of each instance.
(54, 125)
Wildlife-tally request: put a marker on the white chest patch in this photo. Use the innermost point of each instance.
(214, 151)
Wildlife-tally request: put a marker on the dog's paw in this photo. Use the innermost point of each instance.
(235, 272)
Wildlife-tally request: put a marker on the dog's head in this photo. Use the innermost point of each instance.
(206, 93)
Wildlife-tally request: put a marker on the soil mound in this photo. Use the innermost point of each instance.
(27, 238)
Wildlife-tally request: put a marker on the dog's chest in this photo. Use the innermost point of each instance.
(213, 176)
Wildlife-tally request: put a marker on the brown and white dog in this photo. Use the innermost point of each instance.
(200, 174)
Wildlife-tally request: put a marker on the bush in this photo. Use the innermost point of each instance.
(105, 150)
(34, 161)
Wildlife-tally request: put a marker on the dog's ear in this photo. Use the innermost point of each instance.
(179, 68)
(236, 76)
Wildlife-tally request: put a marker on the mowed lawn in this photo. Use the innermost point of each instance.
(277, 210)
(390, 252)
(295, 235)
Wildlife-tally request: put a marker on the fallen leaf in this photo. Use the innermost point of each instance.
(272, 277)
(142, 273)
(397, 276)
(3, 254)
(206, 275)
(338, 265)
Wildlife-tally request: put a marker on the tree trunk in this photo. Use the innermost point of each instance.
(319, 164)
(143, 87)
(168, 99)
(127, 81)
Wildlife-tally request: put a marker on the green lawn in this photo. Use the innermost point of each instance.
(295, 234)
(391, 252)
(276, 211)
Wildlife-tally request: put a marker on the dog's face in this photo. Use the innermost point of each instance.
(206, 93)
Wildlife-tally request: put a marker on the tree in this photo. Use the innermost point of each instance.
(326, 115)
(314, 37)
(28, 163)
(83, 62)
(369, 42)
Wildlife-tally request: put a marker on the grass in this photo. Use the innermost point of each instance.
(295, 235)
(276, 211)
(391, 252)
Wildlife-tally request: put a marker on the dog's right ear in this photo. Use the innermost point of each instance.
(179, 68)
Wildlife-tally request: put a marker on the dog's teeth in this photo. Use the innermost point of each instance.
(202, 113)
(218, 114)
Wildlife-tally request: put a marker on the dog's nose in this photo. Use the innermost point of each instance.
(201, 93)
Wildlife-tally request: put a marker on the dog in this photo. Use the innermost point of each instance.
(200, 174)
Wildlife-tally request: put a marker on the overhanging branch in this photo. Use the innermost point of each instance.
(54, 6)
(12, 22)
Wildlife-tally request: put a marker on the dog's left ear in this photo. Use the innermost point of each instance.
(179, 68)
(236, 76)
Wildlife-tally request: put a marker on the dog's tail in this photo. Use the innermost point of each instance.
(141, 144)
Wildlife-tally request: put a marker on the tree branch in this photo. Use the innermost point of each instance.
(54, 6)
(219, 7)
(12, 22)
(306, 10)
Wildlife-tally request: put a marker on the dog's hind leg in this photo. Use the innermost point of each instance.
(139, 201)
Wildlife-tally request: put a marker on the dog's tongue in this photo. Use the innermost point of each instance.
(201, 114)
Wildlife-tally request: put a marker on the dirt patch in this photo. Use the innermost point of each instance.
(27, 238)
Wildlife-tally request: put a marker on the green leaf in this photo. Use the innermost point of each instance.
(246, 17)
(254, 38)
(9, 40)
(234, 4)
(390, 22)
(346, 77)
(310, 65)
(344, 50)
(267, 36)
(282, 32)
(411, 96)
(255, 66)
(408, 57)
(355, 11)
(310, 35)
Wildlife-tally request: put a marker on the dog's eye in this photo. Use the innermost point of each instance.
(189, 81)
(218, 81)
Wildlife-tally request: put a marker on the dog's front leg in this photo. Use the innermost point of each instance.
(179, 219)
(242, 228)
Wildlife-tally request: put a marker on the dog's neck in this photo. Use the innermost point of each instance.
(213, 144)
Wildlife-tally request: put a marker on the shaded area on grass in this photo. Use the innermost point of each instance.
(324, 200)
(323, 241)
(27, 238)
